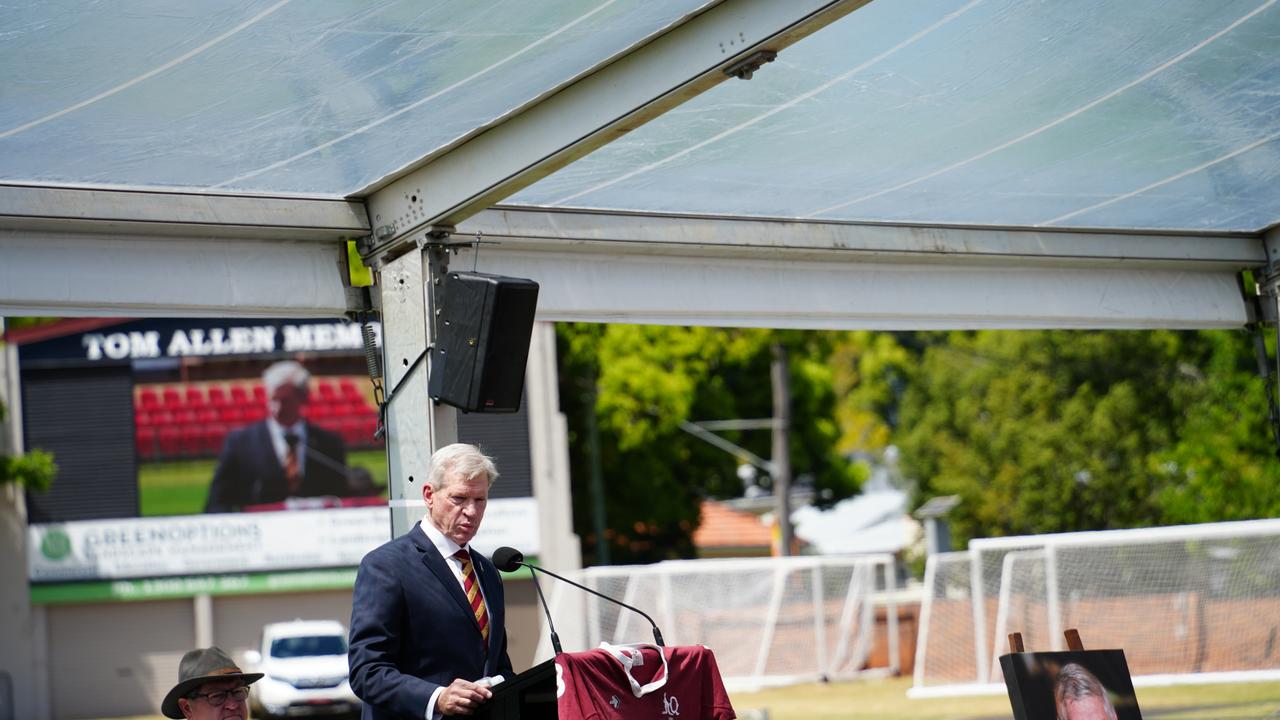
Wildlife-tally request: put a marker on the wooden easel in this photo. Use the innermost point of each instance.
(1072, 635)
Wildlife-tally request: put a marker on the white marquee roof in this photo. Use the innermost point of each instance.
(935, 147)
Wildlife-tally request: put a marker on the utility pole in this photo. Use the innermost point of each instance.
(598, 520)
(781, 460)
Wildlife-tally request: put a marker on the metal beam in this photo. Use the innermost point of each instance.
(585, 113)
(653, 235)
(762, 273)
(80, 274)
(105, 252)
(151, 212)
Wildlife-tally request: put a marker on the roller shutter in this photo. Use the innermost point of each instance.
(84, 416)
(111, 660)
(505, 438)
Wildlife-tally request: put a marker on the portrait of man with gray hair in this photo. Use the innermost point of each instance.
(282, 456)
(1070, 685)
(1079, 695)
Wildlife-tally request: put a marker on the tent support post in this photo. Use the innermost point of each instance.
(410, 293)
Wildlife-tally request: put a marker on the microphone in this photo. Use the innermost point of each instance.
(508, 559)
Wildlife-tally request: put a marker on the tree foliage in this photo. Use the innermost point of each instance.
(1036, 431)
(642, 382)
(1052, 431)
(34, 470)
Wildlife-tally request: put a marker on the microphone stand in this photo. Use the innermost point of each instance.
(555, 639)
(657, 634)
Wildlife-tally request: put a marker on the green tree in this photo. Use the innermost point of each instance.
(869, 375)
(1052, 431)
(34, 470)
(642, 382)
(1223, 465)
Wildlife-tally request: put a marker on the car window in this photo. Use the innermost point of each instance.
(291, 647)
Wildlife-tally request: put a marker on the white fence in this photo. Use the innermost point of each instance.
(770, 621)
(1192, 603)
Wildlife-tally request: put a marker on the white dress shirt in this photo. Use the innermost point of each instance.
(447, 549)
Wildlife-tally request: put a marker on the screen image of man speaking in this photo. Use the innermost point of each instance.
(283, 456)
(427, 617)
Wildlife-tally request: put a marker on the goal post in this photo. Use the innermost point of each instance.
(1188, 604)
(770, 621)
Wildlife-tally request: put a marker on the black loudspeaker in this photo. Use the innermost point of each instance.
(482, 342)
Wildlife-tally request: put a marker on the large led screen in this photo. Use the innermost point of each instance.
(191, 447)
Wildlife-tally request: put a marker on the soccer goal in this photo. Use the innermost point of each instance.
(1188, 604)
(770, 621)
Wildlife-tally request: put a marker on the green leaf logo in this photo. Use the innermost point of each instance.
(56, 544)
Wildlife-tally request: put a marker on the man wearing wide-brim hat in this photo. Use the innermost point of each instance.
(210, 687)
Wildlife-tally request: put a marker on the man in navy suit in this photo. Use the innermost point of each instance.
(427, 614)
(282, 456)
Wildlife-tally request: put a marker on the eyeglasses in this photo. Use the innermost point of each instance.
(220, 697)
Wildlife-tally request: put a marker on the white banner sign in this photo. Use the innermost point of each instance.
(238, 543)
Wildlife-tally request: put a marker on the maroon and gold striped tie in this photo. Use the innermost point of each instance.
(474, 597)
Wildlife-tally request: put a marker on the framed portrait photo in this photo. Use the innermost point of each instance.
(1073, 685)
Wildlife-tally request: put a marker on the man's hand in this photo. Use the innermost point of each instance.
(461, 698)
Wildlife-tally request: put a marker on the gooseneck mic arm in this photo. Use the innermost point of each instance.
(508, 559)
(555, 639)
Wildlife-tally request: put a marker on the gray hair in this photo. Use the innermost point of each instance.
(285, 372)
(1075, 682)
(463, 459)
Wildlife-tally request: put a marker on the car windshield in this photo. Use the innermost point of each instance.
(306, 646)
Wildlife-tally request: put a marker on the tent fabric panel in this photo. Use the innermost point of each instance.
(282, 95)
(1146, 114)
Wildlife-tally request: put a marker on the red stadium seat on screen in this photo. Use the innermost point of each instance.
(215, 436)
(148, 399)
(192, 440)
(145, 442)
(171, 398)
(349, 389)
(217, 396)
(350, 428)
(170, 438)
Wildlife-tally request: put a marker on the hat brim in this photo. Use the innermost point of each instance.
(169, 708)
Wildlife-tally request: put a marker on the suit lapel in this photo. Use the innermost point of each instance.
(273, 487)
(444, 574)
(487, 574)
(262, 439)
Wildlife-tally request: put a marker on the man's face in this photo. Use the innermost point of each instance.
(199, 708)
(286, 404)
(1089, 707)
(457, 508)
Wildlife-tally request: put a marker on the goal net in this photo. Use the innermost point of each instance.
(770, 621)
(1196, 603)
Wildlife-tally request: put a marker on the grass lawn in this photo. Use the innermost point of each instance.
(887, 700)
(180, 488)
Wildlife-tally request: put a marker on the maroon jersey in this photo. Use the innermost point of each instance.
(641, 682)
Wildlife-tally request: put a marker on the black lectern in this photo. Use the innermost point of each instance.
(531, 695)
